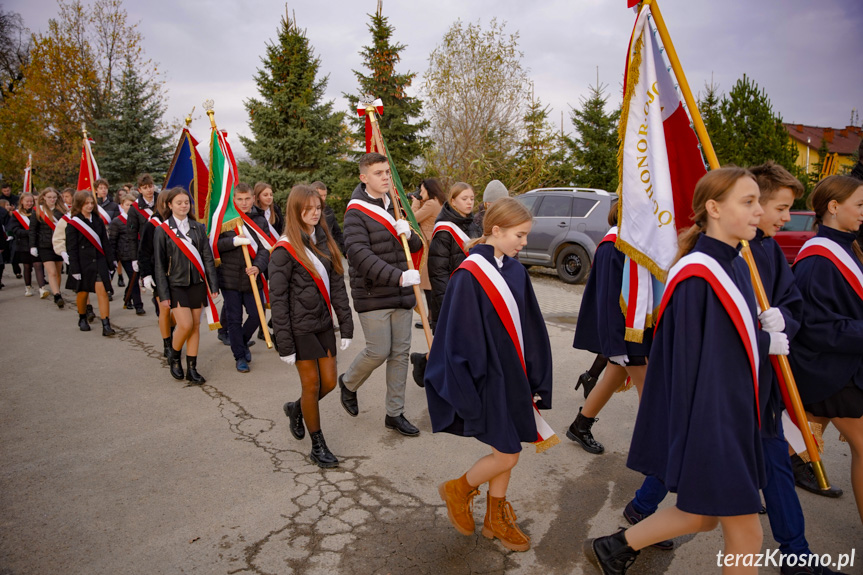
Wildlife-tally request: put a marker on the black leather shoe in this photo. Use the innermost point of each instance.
(167, 347)
(176, 366)
(82, 322)
(588, 381)
(140, 311)
(419, 362)
(349, 398)
(107, 330)
(120, 282)
(579, 432)
(786, 570)
(633, 517)
(58, 300)
(295, 415)
(402, 425)
(418, 325)
(804, 478)
(612, 555)
(321, 454)
(192, 374)
(91, 317)
(223, 337)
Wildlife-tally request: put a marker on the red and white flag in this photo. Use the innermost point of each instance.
(89, 171)
(28, 183)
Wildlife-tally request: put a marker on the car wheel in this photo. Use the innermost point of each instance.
(573, 264)
(527, 266)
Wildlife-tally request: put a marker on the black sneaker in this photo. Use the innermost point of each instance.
(632, 516)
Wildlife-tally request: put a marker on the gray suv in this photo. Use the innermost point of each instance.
(568, 223)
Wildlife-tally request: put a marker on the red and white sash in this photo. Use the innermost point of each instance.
(458, 235)
(123, 217)
(495, 287)
(250, 232)
(610, 236)
(191, 252)
(22, 219)
(48, 218)
(274, 233)
(146, 213)
(698, 264)
(320, 276)
(103, 214)
(384, 218)
(845, 262)
(155, 221)
(85, 229)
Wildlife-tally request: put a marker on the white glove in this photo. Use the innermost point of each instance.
(77, 276)
(346, 343)
(149, 284)
(241, 241)
(772, 320)
(135, 265)
(403, 227)
(289, 359)
(410, 278)
(34, 252)
(620, 359)
(778, 343)
(65, 257)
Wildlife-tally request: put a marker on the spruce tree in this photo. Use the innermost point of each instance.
(131, 139)
(593, 150)
(297, 138)
(401, 124)
(541, 158)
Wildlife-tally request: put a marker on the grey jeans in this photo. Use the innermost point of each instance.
(388, 338)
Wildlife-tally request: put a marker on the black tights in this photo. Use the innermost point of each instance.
(40, 274)
(598, 365)
(318, 378)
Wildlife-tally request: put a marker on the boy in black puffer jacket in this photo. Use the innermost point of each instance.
(125, 246)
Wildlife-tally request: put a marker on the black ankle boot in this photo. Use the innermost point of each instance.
(612, 555)
(321, 454)
(82, 322)
(58, 300)
(419, 371)
(91, 317)
(192, 370)
(176, 365)
(580, 433)
(295, 414)
(120, 282)
(107, 330)
(166, 342)
(588, 381)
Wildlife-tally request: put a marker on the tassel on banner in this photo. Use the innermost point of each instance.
(361, 111)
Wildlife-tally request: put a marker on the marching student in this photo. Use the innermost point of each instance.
(42, 227)
(106, 205)
(19, 228)
(234, 278)
(703, 383)
(381, 290)
(307, 286)
(147, 268)
(450, 236)
(266, 206)
(90, 259)
(330, 216)
(601, 329)
(186, 279)
(826, 354)
(124, 245)
(143, 209)
(491, 355)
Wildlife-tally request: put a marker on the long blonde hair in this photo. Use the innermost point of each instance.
(504, 213)
(41, 203)
(298, 202)
(714, 185)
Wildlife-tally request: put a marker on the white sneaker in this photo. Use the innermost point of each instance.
(43, 293)
(28, 291)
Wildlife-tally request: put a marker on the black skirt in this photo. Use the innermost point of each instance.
(46, 255)
(192, 297)
(848, 402)
(89, 277)
(634, 361)
(315, 345)
(25, 258)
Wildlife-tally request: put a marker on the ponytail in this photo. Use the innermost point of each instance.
(686, 241)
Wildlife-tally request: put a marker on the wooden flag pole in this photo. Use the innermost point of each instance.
(253, 279)
(89, 164)
(746, 252)
(378, 142)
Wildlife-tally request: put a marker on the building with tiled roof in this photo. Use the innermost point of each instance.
(841, 141)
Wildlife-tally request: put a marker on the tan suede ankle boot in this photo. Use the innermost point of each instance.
(500, 522)
(458, 496)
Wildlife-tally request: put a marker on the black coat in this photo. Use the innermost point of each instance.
(111, 208)
(136, 221)
(17, 232)
(41, 234)
(296, 303)
(376, 260)
(335, 230)
(173, 268)
(85, 259)
(279, 224)
(232, 269)
(146, 262)
(445, 255)
(122, 242)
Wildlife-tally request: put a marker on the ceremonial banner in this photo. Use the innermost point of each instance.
(89, 171)
(222, 214)
(361, 111)
(188, 171)
(28, 184)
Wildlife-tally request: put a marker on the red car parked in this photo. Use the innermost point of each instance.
(795, 233)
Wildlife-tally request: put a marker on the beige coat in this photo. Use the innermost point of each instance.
(426, 213)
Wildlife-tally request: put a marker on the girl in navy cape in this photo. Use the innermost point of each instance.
(828, 350)
(697, 428)
(475, 381)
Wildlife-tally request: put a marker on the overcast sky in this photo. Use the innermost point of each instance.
(807, 55)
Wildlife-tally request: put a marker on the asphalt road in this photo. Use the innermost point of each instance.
(109, 466)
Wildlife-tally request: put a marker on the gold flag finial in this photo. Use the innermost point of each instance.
(189, 117)
(84, 129)
(208, 106)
